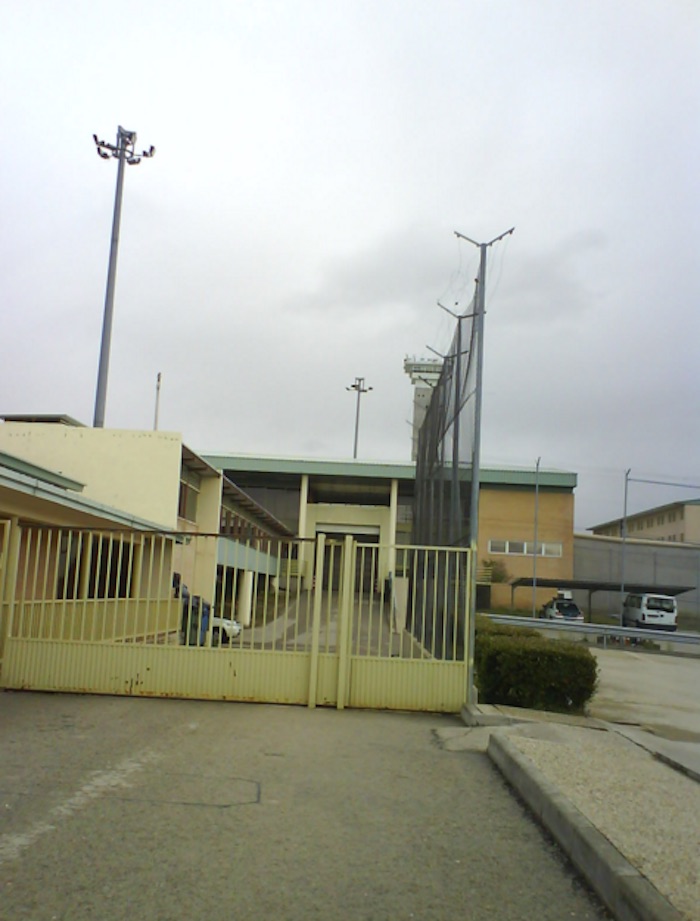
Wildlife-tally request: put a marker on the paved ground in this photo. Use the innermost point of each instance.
(657, 692)
(115, 808)
(623, 770)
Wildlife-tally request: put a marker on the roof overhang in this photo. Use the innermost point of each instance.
(43, 418)
(380, 470)
(256, 511)
(599, 585)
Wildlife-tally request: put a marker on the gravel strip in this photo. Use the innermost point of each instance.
(650, 812)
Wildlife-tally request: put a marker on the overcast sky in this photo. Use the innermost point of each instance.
(296, 226)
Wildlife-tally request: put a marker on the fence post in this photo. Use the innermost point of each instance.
(470, 626)
(8, 581)
(347, 591)
(316, 626)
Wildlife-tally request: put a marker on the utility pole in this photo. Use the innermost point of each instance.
(476, 453)
(534, 558)
(155, 417)
(359, 386)
(624, 545)
(122, 151)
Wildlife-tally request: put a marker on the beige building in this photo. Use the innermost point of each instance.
(114, 505)
(374, 502)
(677, 522)
(151, 480)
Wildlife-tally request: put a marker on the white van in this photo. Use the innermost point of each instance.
(658, 612)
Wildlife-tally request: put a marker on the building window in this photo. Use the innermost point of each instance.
(189, 494)
(526, 548)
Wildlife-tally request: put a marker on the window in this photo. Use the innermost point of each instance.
(189, 494)
(526, 548)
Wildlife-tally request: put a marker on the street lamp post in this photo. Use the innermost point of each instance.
(359, 386)
(122, 151)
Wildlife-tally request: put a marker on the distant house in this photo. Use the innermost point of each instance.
(677, 522)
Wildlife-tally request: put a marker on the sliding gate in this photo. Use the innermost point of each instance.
(181, 615)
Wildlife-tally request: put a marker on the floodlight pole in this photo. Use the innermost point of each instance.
(480, 312)
(359, 386)
(122, 151)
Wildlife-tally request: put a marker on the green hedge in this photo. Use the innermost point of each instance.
(530, 671)
(486, 626)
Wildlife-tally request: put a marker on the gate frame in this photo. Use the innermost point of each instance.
(340, 676)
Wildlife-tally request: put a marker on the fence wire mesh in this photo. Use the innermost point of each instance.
(446, 445)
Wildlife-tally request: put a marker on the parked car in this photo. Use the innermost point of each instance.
(224, 630)
(563, 609)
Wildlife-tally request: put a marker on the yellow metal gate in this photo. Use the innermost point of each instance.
(182, 615)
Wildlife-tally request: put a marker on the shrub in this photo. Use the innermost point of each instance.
(533, 672)
(484, 626)
(499, 573)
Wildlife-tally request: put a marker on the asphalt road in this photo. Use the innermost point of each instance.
(657, 692)
(117, 808)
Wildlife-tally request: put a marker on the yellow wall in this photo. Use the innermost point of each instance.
(509, 514)
(136, 472)
(353, 517)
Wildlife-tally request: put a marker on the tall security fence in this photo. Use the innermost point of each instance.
(446, 445)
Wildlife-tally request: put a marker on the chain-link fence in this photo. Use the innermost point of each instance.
(446, 445)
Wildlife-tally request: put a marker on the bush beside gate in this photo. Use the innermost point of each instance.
(518, 668)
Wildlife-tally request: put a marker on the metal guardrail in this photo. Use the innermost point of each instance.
(604, 630)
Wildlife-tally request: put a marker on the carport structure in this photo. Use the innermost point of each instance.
(596, 585)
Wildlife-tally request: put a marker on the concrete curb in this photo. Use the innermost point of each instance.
(623, 889)
(677, 766)
(485, 715)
